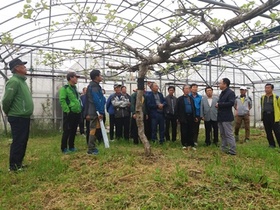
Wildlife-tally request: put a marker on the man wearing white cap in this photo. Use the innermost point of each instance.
(242, 106)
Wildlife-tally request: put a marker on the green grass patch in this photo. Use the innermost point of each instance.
(121, 177)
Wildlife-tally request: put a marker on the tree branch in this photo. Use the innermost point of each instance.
(137, 54)
(211, 36)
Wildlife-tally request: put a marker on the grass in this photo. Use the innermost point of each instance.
(123, 178)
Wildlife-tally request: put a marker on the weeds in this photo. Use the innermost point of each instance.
(123, 178)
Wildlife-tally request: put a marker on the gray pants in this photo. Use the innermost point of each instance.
(227, 138)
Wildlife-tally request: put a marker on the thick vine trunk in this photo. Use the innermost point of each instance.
(139, 111)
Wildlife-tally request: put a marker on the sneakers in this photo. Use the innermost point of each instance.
(93, 152)
(65, 151)
(189, 148)
(246, 140)
(15, 169)
(195, 144)
(72, 150)
(231, 153)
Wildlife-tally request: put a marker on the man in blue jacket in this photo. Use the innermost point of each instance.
(111, 110)
(197, 101)
(155, 105)
(95, 102)
(225, 117)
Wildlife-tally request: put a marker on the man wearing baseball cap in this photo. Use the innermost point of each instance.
(70, 102)
(18, 106)
(242, 106)
(111, 110)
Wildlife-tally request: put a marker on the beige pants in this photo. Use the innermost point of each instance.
(238, 122)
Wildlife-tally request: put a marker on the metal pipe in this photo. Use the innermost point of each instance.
(255, 111)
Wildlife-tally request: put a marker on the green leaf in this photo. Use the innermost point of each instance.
(93, 18)
(273, 16)
(108, 5)
(141, 4)
(26, 6)
(19, 15)
(28, 1)
(258, 23)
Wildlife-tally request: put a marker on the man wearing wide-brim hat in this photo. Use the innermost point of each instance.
(18, 106)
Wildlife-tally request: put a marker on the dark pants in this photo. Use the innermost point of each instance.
(20, 133)
(208, 127)
(170, 119)
(158, 119)
(112, 125)
(187, 131)
(122, 127)
(82, 125)
(134, 130)
(70, 124)
(99, 132)
(87, 130)
(269, 126)
(148, 127)
(196, 130)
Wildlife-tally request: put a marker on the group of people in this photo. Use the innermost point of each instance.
(158, 112)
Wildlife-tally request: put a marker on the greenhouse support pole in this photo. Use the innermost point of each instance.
(255, 111)
(210, 74)
(53, 93)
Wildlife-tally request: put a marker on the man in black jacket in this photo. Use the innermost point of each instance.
(169, 112)
(185, 112)
(225, 117)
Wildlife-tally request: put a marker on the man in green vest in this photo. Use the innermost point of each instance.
(18, 106)
(270, 105)
(69, 99)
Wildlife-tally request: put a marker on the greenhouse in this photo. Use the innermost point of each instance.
(55, 37)
(169, 42)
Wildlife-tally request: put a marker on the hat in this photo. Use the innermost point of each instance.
(72, 74)
(13, 63)
(117, 85)
(243, 88)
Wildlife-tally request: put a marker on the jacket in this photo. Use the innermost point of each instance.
(151, 103)
(133, 98)
(197, 102)
(168, 108)
(109, 106)
(225, 104)
(69, 99)
(95, 100)
(180, 110)
(276, 106)
(17, 100)
(121, 106)
(83, 101)
(209, 112)
(242, 108)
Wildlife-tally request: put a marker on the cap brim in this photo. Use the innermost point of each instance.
(23, 63)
